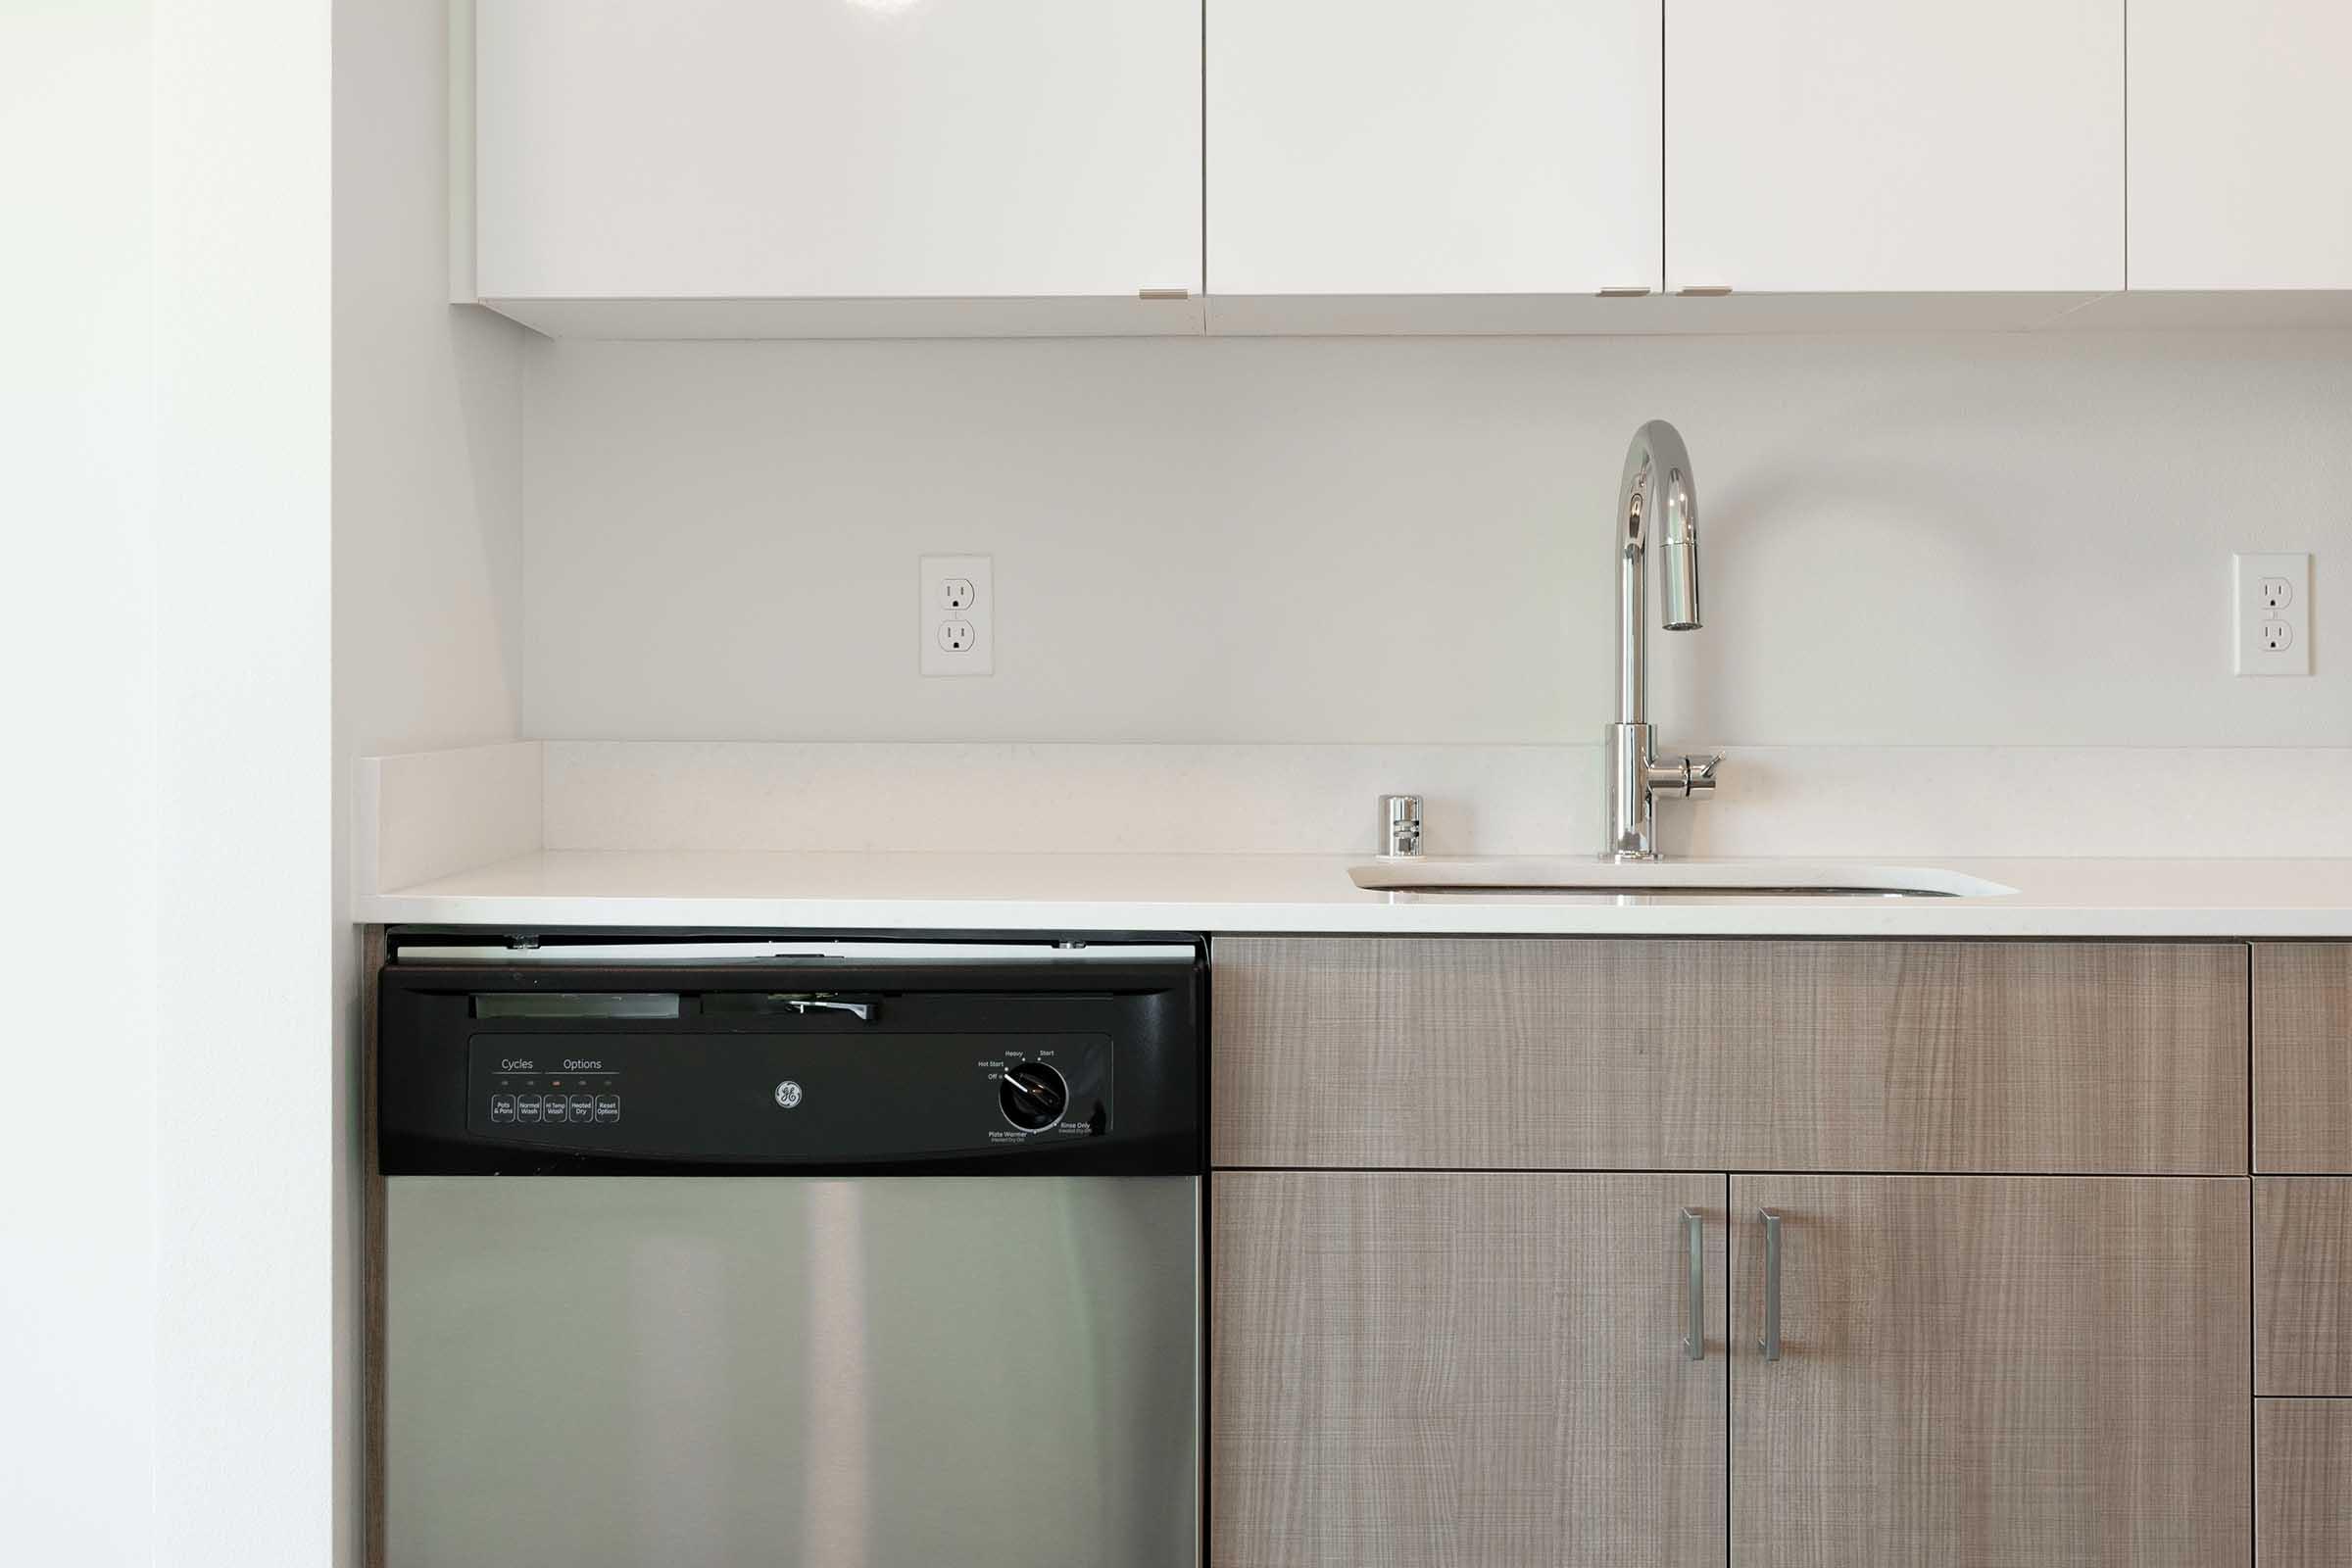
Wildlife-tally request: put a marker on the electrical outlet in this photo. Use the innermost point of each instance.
(957, 615)
(2271, 596)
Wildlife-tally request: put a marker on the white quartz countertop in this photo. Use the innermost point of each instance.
(1178, 893)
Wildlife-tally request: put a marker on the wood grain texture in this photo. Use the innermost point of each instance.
(2302, 1494)
(2303, 1285)
(2303, 1056)
(1438, 1052)
(1472, 1371)
(1983, 1371)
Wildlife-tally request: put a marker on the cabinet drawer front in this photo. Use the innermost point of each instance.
(2302, 1507)
(2303, 1285)
(2303, 1056)
(1487, 1370)
(1436, 1051)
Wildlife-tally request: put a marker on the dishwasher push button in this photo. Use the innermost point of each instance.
(583, 1108)
(502, 1107)
(608, 1107)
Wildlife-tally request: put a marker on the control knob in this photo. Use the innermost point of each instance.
(1033, 1094)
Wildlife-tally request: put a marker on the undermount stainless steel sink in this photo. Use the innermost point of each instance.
(1575, 874)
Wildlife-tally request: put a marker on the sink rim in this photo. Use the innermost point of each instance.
(1588, 876)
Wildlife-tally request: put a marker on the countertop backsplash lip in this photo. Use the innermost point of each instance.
(419, 815)
(2100, 841)
(1908, 800)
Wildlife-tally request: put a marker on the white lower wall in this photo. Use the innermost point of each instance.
(1988, 540)
(77, 1287)
(247, 1088)
(167, 1299)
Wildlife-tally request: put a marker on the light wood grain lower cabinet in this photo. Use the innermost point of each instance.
(1535, 1052)
(2303, 1285)
(2303, 1056)
(2303, 1483)
(1474, 1370)
(1992, 1370)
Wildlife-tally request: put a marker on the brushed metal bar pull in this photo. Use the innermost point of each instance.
(1770, 1343)
(1694, 1340)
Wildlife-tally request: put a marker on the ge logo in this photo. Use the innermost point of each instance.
(788, 1093)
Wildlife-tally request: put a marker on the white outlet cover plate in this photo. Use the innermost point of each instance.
(936, 610)
(2251, 615)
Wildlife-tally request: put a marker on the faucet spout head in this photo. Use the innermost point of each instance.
(1678, 566)
(1660, 492)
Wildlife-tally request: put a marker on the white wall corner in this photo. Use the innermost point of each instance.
(422, 816)
(461, 287)
(366, 804)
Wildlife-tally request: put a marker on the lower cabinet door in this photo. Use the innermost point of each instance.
(1991, 1370)
(2303, 1503)
(1474, 1370)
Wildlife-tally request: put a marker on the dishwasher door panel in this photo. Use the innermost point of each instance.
(698, 1372)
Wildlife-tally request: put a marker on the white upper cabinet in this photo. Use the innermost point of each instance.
(882, 167)
(2241, 144)
(1481, 147)
(905, 164)
(1868, 146)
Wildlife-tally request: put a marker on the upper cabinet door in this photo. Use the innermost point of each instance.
(837, 149)
(1866, 146)
(2241, 144)
(1375, 147)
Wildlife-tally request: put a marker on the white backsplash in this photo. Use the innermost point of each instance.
(1909, 541)
(1920, 802)
(1965, 595)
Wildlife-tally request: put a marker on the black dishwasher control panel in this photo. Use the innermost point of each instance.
(747, 1097)
(627, 1054)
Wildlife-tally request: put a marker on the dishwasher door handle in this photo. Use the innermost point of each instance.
(863, 1012)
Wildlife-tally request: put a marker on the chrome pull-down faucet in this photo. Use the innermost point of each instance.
(1657, 494)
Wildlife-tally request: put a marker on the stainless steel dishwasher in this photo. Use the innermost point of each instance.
(747, 1250)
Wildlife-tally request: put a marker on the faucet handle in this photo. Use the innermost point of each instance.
(1684, 775)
